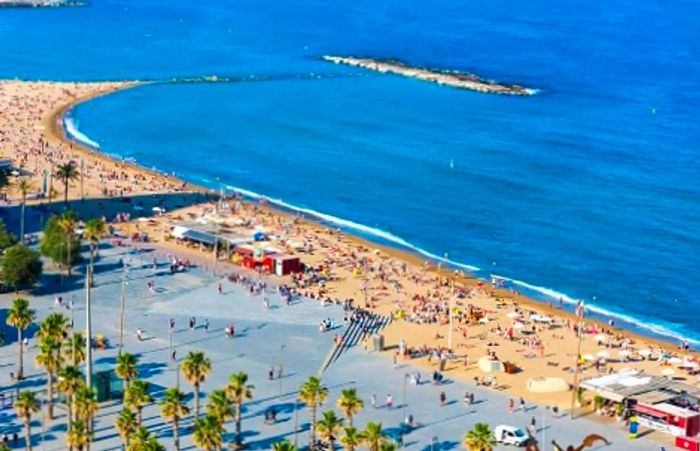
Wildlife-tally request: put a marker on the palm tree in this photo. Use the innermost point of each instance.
(208, 433)
(79, 436)
(350, 404)
(387, 447)
(68, 223)
(25, 405)
(127, 367)
(70, 379)
(126, 425)
(173, 408)
(140, 439)
(480, 438)
(195, 368)
(152, 444)
(67, 172)
(351, 438)
(373, 436)
(21, 317)
(284, 445)
(220, 406)
(313, 394)
(74, 348)
(239, 390)
(49, 357)
(85, 405)
(328, 427)
(24, 185)
(95, 230)
(53, 326)
(137, 397)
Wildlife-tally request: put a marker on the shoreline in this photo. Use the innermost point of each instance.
(455, 79)
(56, 131)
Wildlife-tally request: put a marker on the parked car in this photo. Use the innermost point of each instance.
(510, 435)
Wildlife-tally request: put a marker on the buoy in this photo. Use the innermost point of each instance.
(653, 110)
(452, 163)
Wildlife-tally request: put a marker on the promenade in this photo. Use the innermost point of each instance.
(286, 335)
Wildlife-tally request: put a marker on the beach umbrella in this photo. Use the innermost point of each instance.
(518, 325)
(603, 354)
(675, 360)
(513, 315)
(601, 337)
(645, 352)
(624, 353)
(589, 357)
(668, 372)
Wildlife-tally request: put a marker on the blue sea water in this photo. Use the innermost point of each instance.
(589, 189)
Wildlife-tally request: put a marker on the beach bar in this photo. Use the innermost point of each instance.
(658, 403)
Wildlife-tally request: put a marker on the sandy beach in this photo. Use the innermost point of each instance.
(539, 340)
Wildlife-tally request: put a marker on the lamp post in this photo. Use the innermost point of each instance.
(88, 322)
(122, 305)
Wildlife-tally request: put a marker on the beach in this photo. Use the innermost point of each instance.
(417, 294)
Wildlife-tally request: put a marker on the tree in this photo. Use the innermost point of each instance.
(49, 357)
(137, 397)
(479, 438)
(6, 238)
(59, 241)
(239, 390)
(21, 266)
(313, 394)
(24, 185)
(127, 367)
(208, 434)
(53, 327)
(70, 379)
(79, 435)
(95, 230)
(67, 172)
(373, 436)
(74, 348)
(142, 440)
(85, 404)
(219, 406)
(195, 368)
(351, 438)
(284, 445)
(350, 404)
(21, 317)
(387, 447)
(126, 425)
(328, 427)
(173, 408)
(26, 405)
(68, 224)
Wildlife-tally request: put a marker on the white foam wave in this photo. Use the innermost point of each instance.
(656, 329)
(367, 230)
(73, 132)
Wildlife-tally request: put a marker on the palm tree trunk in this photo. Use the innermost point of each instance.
(20, 370)
(238, 424)
(138, 415)
(22, 218)
(69, 260)
(69, 407)
(176, 434)
(49, 395)
(196, 401)
(28, 434)
(65, 192)
(312, 430)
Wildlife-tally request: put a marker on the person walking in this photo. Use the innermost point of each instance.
(443, 399)
(511, 405)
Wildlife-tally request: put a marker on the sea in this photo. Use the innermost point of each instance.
(588, 190)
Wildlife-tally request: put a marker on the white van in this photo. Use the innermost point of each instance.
(510, 435)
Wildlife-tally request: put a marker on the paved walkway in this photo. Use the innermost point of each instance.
(281, 335)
